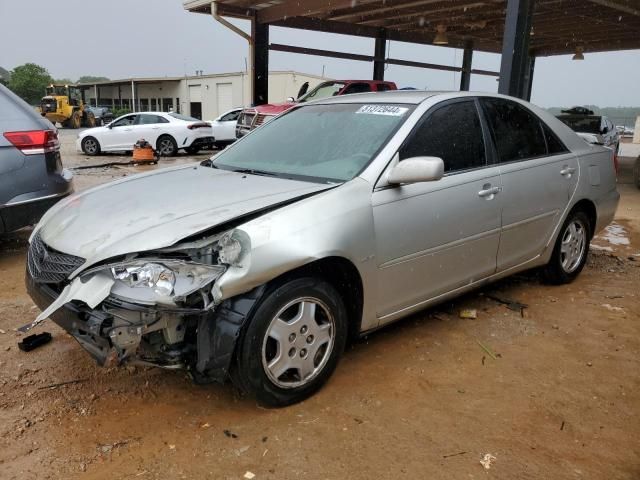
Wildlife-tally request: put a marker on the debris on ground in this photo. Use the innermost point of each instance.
(61, 384)
(510, 304)
(470, 313)
(230, 434)
(34, 341)
(612, 308)
(488, 350)
(454, 454)
(249, 475)
(486, 460)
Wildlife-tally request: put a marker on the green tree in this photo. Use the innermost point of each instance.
(91, 78)
(29, 82)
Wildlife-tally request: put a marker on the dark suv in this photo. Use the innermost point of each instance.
(31, 175)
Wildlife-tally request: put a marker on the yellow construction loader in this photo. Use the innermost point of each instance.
(64, 104)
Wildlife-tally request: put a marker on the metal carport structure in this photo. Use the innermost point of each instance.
(520, 30)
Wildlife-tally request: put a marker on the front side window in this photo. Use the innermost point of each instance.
(516, 132)
(357, 88)
(230, 117)
(125, 121)
(452, 132)
(320, 143)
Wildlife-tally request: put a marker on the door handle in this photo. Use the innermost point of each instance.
(155, 128)
(128, 129)
(567, 171)
(488, 191)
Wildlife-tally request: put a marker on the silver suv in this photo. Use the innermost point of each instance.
(260, 263)
(31, 175)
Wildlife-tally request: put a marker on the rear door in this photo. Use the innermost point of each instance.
(539, 177)
(435, 237)
(149, 127)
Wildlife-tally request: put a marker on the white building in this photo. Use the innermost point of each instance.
(203, 96)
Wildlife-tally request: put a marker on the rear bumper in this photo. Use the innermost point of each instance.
(26, 209)
(81, 323)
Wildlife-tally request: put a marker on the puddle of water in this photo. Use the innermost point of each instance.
(615, 234)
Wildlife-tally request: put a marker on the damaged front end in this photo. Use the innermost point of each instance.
(162, 308)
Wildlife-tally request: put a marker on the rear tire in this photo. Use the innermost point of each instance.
(292, 342)
(166, 146)
(571, 249)
(90, 146)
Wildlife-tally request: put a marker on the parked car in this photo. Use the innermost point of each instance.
(261, 262)
(224, 127)
(103, 115)
(253, 117)
(593, 128)
(167, 132)
(31, 175)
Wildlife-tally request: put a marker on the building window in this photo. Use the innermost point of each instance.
(154, 105)
(144, 104)
(167, 104)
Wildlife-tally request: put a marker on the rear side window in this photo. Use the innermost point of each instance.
(383, 87)
(150, 119)
(453, 133)
(554, 145)
(516, 132)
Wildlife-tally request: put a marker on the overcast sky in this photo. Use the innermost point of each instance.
(137, 38)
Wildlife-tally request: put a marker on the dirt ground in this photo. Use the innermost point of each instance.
(551, 393)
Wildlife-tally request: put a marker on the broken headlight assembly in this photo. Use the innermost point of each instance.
(161, 281)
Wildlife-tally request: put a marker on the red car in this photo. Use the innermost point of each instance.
(253, 117)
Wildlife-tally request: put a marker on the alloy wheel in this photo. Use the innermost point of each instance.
(298, 342)
(572, 249)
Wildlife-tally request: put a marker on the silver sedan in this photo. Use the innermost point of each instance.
(331, 221)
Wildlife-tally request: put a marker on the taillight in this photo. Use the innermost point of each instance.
(34, 142)
(198, 125)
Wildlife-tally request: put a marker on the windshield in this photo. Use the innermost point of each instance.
(582, 124)
(183, 117)
(324, 90)
(319, 143)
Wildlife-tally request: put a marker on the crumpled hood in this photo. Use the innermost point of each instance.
(151, 211)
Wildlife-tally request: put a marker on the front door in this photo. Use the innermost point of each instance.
(121, 135)
(435, 237)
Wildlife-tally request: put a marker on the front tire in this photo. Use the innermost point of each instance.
(166, 146)
(90, 146)
(292, 343)
(571, 249)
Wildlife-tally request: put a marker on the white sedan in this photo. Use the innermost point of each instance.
(166, 132)
(224, 127)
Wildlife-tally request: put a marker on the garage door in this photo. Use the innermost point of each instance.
(195, 93)
(224, 93)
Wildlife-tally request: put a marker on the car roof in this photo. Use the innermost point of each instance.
(392, 96)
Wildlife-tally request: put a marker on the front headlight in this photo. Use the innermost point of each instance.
(161, 281)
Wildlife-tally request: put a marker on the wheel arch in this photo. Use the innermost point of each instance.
(589, 208)
(343, 275)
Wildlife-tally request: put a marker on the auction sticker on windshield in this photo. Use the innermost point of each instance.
(389, 110)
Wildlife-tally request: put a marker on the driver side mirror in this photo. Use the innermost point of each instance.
(291, 100)
(416, 170)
